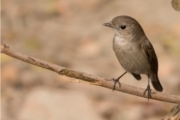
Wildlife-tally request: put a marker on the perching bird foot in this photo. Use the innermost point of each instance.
(116, 81)
(148, 90)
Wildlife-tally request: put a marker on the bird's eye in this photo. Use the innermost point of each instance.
(123, 27)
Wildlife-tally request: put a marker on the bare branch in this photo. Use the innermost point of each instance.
(90, 79)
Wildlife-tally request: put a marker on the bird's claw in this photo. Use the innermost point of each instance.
(116, 81)
(148, 89)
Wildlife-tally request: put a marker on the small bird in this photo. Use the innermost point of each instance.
(134, 51)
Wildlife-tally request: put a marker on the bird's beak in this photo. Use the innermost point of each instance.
(108, 25)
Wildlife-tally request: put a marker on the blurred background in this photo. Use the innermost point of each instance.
(70, 33)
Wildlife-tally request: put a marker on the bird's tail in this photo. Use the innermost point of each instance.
(155, 82)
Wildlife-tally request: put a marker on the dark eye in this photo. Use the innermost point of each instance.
(123, 27)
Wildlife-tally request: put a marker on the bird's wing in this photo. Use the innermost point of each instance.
(148, 50)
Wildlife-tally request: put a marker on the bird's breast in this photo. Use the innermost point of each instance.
(120, 43)
(130, 56)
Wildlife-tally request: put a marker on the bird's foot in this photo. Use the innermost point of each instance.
(148, 89)
(116, 81)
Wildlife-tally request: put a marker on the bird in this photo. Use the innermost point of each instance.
(134, 51)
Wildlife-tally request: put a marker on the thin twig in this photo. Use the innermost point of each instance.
(93, 80)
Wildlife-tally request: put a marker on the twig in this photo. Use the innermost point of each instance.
(93, 80)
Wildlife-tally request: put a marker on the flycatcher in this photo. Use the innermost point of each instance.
(134, 51)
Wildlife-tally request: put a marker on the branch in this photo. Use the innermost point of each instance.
(90, 79)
